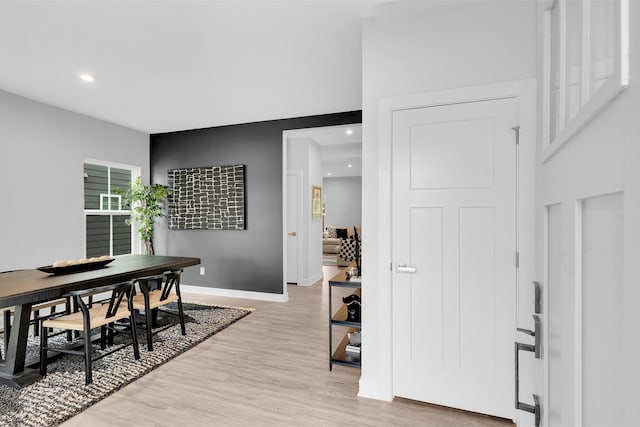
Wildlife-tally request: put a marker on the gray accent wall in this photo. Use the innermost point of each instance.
(250, 259)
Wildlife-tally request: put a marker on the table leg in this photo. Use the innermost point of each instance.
(7, 328)
(12, 370)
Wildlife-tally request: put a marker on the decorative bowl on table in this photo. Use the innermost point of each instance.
(75, 266)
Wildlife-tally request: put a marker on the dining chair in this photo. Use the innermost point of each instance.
(36, 310)
(99, 315)
(155, 292)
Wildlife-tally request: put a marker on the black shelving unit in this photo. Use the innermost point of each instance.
(338, 318)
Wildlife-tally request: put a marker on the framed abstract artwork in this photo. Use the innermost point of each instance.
(207, 198)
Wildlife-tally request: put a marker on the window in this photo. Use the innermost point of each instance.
(586, 62)
(107, 231)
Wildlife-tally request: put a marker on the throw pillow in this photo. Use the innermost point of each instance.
(332, 232)
(348, 249)
(342, 233)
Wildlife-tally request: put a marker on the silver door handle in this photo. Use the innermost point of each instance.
(404, 269)
(535, 408)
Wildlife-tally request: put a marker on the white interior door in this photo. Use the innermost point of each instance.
(293, 219)
(454, 249)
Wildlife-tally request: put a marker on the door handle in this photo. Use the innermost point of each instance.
(537, 334)
(293, 233)
(536, 349)
(535, 408)
(537, 302)
(404, 269)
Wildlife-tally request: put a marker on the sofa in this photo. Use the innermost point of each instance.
(330, 245)
(331, 241)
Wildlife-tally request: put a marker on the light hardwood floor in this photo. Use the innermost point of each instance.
(269, 369)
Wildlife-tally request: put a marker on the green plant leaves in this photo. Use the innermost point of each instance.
(145, 203)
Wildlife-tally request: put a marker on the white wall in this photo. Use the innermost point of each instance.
(41, 169)
(411, 47)
(303, 154)
(343, 201)
(314, 253)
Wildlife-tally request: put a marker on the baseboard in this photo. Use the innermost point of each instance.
(312, 280)
(234, 293)
(370, 390)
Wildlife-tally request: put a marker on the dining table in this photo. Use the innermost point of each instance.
(21, 289)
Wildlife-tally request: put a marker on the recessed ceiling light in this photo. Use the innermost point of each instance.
(86, 77)
(349, 165)
(349, 131)
(328, 173)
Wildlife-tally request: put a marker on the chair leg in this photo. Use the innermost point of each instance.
(154, 318)
(134, 336)
(148, 315)
(67, 308)
(181, 314)
(44, 334)
(36, 324)
(75, 308)
(87, 357)
(110, 333)
(103, 337)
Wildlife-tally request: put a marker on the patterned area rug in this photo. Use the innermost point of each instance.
(62, 393)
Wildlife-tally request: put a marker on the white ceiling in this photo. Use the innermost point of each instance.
(341, 148)
(172, 65)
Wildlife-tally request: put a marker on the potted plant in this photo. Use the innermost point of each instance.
(145, 202)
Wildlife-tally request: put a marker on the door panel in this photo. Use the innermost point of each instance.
(477, 287)
(602, 278)
(426, 302)
(455, 154)
(454, 210)
(555, 333)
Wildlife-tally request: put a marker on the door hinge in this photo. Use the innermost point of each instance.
(517, 259)
(517, 130)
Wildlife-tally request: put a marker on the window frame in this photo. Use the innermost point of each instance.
(108, 198)
(136, 245)
(591, 104)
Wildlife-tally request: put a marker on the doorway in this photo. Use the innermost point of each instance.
(324, 158)
(522, 246)
(454, 209)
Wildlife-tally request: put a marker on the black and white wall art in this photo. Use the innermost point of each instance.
(207, 198)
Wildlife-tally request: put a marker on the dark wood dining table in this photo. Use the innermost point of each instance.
(24, 288)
